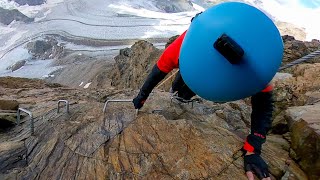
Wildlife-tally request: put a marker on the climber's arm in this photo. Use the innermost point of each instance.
(261, 120)
(166, 63)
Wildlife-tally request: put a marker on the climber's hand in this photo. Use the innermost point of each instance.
(138, 102)
(254, 164)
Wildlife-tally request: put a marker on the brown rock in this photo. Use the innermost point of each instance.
(307, 79)
(177, 142)
(297, 89)
(278, 160)
(134, 64)
(173, 38)
(279, 124)
(9, 105)
(12, 155)
(293, 172)
(131, 68)
(13, 83)
(304, 124)
(295, 49)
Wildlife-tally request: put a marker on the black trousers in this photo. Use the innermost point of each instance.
(183, 90)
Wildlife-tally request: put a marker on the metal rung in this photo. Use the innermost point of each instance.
(105, 108)
(67, 105)
(115, 100)
(118, 100)
(183, 100)
(156, 111)
(31, 118)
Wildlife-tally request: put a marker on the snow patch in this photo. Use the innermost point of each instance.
(32, 69)
(197, 7)
(13, 57)
(30, 11)
(87, 85)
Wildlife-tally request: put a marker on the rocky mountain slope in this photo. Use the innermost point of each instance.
(7, 16)
(165, 140)
(29, 2)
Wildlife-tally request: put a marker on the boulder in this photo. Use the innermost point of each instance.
(17, 65)
(304, 125)
(295, 49)
(9, 104)
(134, 64)
(296, 89)
(171, 40)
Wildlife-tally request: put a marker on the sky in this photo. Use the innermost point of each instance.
(302, 13)
(310, 3)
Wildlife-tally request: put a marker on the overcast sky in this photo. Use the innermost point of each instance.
(303, 13)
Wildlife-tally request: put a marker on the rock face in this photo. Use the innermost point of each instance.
(171, 40)
(86, 73)
(8, 113)
(17, 65)
(166, 139)
(177, 141)
(300, 85)
(9, 105)
(45, 49)
(304, 124)
(11, 155)
(175, 6)
(29, 2)
(133, 65)
(295, 49)
(299, 88)
(7, 16)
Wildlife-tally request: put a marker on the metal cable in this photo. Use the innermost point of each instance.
(303, 59)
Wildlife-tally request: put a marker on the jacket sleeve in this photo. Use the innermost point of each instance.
(155, 76)
(170, 57)
(166, 63)
(261, 119)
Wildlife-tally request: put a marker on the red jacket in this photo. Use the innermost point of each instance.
(170, 57)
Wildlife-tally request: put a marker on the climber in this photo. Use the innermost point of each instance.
(262, 107)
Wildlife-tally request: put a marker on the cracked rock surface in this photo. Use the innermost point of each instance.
(165, 140)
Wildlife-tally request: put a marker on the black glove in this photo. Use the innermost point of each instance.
(138, 102)
(155, 76)
(257, 165)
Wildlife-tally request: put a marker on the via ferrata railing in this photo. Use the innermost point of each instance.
(31, 119)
